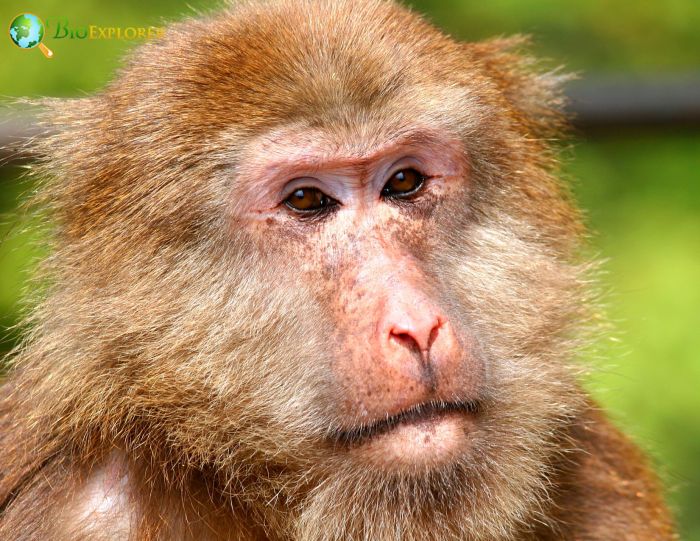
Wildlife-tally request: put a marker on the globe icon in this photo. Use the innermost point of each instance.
(27, 31)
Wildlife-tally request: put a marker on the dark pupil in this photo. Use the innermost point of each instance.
(404, 181)
(307, 199)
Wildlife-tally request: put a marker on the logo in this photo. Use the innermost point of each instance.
(27, 31)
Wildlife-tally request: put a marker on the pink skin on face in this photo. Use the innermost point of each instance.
(395, 347)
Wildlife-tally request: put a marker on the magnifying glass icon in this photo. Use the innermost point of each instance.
(27, 31)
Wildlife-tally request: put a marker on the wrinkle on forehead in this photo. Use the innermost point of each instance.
(292, 152)
(315, 147)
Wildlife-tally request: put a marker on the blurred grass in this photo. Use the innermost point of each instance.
(641, 190)
(643, 204)
(607, 35)
(17, 251)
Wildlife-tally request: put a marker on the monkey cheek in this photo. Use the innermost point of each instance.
(422, 444)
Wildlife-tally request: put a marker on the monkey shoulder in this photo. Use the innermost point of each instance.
(607, 488)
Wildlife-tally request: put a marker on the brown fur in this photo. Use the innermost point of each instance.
(161, 359)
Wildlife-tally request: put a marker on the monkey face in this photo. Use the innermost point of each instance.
(356, 218)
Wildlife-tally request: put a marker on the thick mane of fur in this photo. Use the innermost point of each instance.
(159, 338)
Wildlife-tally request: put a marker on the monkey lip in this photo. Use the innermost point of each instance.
(421, 414)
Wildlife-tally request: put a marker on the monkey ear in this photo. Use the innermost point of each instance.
(535, 94)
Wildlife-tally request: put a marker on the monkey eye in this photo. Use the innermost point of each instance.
(403, 183)
(308, 200)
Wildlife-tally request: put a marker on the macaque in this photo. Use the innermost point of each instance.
(313, 276)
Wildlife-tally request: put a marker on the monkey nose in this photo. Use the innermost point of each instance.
(414, 325)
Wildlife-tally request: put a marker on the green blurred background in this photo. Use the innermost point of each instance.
(641, 189)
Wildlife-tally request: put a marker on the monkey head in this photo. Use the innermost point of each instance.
(319, 250)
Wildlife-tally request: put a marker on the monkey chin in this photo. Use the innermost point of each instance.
(417, 441)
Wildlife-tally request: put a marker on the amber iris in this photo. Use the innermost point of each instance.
(402, 183)
(308, 199)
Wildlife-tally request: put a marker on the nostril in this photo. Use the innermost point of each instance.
(406, 340)
(434, 332)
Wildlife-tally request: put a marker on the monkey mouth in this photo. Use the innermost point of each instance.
(427, 412)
